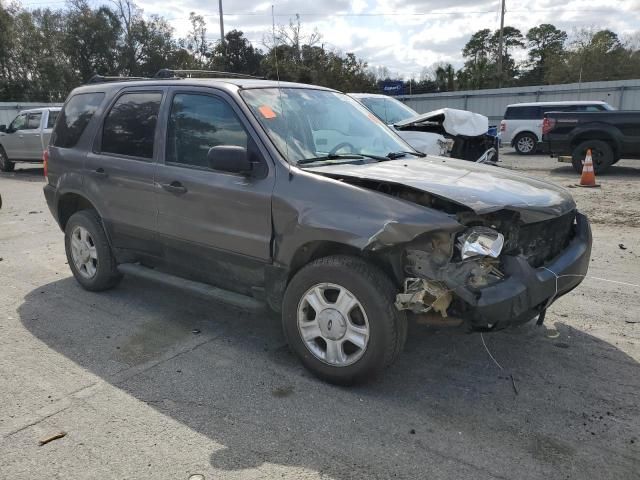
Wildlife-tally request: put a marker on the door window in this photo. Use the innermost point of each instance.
(53, 115)
(197, 123)
(33, 121)
(74, 118)
(18, 123)
(130, 126)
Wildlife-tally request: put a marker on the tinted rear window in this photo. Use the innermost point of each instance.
(130, 126)
(522, 113)
(74, 118)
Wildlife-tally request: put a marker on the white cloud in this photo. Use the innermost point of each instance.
(403, 35)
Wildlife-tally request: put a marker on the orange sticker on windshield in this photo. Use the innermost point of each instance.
(267, 112)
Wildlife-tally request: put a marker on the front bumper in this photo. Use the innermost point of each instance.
(527, 290)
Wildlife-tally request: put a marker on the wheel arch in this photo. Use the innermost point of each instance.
(602, 135)
(278, 277)
(70, 203)
(515, 136)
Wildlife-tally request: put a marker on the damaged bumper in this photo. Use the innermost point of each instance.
(527, 291)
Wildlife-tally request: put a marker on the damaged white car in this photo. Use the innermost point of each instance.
(447, 131)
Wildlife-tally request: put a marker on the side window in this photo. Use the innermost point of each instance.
(74, 118)
(590, 108)
(18, 123)
(130, 126)
(53, 115)
(523, 113)
(197, 123)
(33, 121)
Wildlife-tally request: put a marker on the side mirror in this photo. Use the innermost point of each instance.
(229, 158)
(3, 128)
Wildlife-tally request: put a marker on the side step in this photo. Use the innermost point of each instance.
(200, 289)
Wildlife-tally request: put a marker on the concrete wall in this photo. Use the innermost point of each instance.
(621, 94)
(9, 110)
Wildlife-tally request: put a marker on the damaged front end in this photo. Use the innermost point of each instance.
(495, 274)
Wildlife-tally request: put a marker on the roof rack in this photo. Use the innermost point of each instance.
(171, 73)
(107, 78)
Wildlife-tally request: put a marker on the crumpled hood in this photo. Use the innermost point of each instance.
(454, 122)
(482, 188)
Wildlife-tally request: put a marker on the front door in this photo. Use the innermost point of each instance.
(214, 226)
(13, 140)
(119, 170)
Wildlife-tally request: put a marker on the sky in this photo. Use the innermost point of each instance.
(405, 36)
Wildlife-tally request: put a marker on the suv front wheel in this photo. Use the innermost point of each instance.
(88, 252)
(339, 319)
(6, 165)
(526, 144)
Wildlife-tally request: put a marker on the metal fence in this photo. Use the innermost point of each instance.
(9, 110)
(621, 94)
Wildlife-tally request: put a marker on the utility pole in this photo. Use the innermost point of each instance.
(500, 44)
(224, 50)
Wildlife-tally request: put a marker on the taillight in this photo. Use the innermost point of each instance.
(503, 126)
(45, 162)
(548, 124)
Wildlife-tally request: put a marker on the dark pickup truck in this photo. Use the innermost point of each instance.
(611, 135)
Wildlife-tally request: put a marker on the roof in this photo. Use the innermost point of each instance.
(227, 83)
(40, 109)
(552, 104)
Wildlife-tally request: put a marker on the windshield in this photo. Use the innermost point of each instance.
(389, 110)
(307, 123)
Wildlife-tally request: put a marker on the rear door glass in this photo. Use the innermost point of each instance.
(130, 126)
(74, 118)
(51, 121)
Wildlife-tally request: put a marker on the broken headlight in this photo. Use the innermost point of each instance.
(480, 241)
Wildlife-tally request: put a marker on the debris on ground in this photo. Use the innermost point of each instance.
(513, 383)
(57, 436)
(195, 331)
(621, 246)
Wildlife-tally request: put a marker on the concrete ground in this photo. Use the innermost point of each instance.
(150, 383)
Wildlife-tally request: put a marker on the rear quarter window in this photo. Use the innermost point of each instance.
(74, 118)
(53, 115)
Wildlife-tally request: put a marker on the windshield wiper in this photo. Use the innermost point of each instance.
(341, 156)
(395, 155)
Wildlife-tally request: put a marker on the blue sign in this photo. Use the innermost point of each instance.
(393, 87)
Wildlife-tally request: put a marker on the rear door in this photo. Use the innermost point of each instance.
(120, 169)
(214, 226)
(47, 128)
(32, 137)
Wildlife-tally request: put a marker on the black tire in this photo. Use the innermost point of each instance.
(5, 164)
(602, 155)
(526, 143)
(106, 273)
(376, 294)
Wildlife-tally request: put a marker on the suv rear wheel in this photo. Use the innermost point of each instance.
(339, 319)
(525, 143)
(601, 153)
(89, 253)
(5, 164)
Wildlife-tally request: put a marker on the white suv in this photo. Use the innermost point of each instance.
(522, 124)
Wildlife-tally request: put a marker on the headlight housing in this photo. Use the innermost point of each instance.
(480, 241)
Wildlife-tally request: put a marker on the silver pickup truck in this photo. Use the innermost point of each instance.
(26, 136)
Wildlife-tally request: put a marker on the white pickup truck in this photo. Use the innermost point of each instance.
(26, 137)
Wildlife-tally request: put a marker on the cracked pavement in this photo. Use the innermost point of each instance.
(140, 395)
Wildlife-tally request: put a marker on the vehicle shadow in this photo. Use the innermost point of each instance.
(27, 174)
(564, 404)
(615, 171)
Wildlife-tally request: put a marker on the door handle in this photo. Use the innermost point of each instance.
(99, 172)
(174, 187)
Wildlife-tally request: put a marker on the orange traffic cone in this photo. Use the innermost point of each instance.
(588, 177)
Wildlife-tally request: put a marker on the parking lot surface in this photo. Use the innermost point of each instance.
(149, 382)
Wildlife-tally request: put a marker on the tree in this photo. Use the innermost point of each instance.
(237, 55)
(197, 40)
(545, 42)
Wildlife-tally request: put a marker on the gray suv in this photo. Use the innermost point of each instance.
(296, 196)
